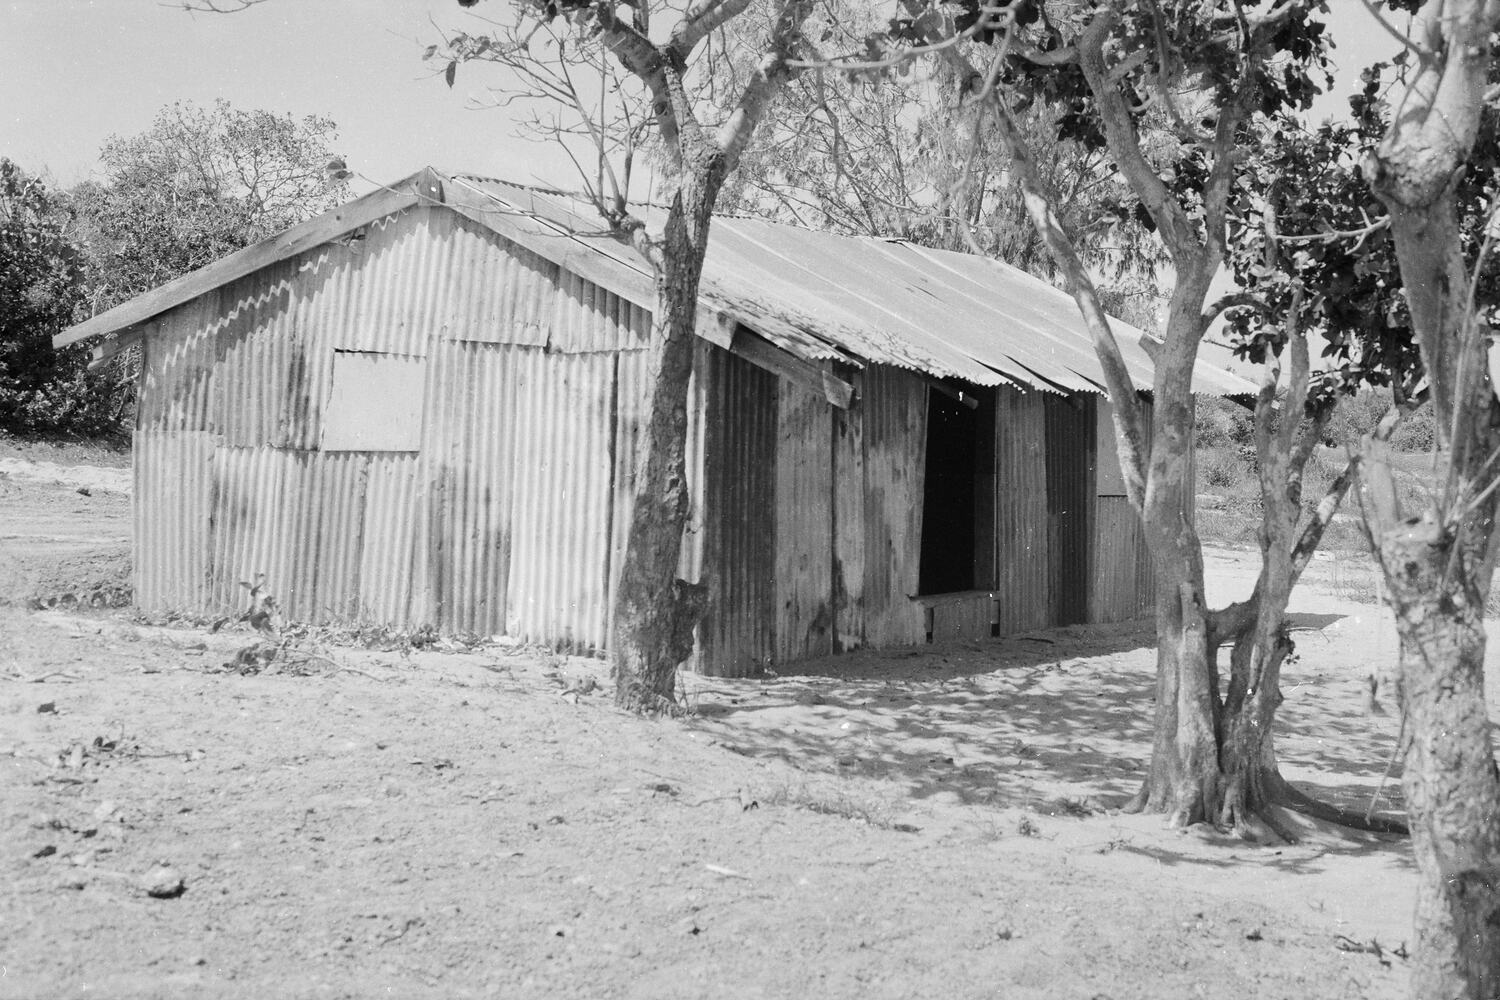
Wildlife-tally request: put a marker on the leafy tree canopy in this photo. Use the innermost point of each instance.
(1313, 244)
(197, 185)
(41, 390)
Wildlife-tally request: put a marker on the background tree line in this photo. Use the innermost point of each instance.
(197, 185)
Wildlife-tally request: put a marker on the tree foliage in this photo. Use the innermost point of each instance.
(197, 185)
(41, 273)
(880, 152)
(1310, 229)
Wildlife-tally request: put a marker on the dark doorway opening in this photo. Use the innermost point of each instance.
(950, 494)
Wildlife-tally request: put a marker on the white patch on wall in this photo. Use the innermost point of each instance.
(376, 404)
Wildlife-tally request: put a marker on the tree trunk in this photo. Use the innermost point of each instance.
(1184, 778)
(1438, 568)
(1450, 781)
(655, 613)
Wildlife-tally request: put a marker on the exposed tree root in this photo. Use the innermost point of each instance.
(1261, 822)
(1288, 797)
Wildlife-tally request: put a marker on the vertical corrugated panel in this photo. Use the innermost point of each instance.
(328, 520)
(390, 534)
(849, 522)
(496, 292)
(1070, 499)
(173, 457)
(632, 371)
(264, 386)
(804, 524)
(386, 292)
(255, 493)
(1021, 526)
(177, 389)
(561, 497)
(690, 565)
(986, 521)
(469, 454)
(1123, 579)
(1119, 589)
(172, 544)
(895, 430)
(737, 635)
(587, 318)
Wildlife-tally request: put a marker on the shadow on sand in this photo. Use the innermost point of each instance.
(1058, 722)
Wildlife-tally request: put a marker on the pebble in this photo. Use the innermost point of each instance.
(164, 882)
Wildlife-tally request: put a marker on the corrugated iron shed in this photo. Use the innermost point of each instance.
(818, 296)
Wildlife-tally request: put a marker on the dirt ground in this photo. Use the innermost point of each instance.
(482, 823)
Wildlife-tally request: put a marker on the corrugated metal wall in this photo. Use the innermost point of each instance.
(501, 522)
(737, 637)
(1070, 431)
(812, 516)
(510, 515)
(804, 525)
(895, 439)
(1021, 524)
(1122, 583)
(848, 483)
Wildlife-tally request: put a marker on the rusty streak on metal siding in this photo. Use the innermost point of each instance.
(1021, 535)
(895, 437)
(737, 634)
(804, 524)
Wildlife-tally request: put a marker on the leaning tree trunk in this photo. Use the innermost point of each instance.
(655, 612)
(1449, 777)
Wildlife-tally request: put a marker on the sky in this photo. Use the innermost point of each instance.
(75, 72)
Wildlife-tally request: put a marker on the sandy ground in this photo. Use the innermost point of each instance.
(482, 823)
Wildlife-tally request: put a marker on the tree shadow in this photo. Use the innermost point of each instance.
(1058, 722)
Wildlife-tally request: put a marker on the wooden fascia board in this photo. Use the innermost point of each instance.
(362, 211)
(814, 377)
(110, 346)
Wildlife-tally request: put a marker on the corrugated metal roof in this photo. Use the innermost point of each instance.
(817, 295)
